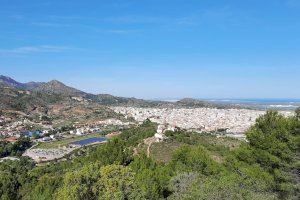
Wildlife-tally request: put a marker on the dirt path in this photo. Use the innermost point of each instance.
(149, 142)
(135, 149)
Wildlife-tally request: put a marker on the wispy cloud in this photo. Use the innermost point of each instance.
(36, 49)
(135, 19)
(219, 15)
(86, 27)
(93, 22)
(71, 17)
(52, 25)
(293, 3)
(131, 23)
(16, 16)
(120, 31)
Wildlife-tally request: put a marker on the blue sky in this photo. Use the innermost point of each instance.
(156, 48)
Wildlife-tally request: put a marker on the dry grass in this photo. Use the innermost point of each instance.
(163, 151)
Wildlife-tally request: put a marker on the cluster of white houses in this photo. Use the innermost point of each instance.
(200, 119)
(84, 130)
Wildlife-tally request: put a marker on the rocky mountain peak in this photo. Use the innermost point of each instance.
(9, 82)
(55, 86)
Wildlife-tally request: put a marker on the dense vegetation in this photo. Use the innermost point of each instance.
(14, 149)
(266, 167)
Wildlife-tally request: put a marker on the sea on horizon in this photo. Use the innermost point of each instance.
(261, 103)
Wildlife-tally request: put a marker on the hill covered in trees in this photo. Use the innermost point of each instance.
(201, 167)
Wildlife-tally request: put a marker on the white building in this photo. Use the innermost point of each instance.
(159, 135)
(45, 139)
(79, 131)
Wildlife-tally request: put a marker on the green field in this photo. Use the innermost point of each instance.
(64, 141)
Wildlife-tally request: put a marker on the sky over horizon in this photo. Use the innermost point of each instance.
(155, 48)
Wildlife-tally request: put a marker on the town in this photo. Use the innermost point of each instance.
(233, 121)
(222, 122)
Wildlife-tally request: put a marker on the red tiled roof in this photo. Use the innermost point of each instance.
(11, 139)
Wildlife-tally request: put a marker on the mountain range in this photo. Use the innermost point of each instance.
(54, 89)
(53, 86)
(14, 94)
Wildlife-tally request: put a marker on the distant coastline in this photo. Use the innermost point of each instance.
(260, 103)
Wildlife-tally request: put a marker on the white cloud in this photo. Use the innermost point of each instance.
(36, 49)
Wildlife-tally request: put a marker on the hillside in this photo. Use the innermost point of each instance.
(55, 89)
(27, 101)
(9, 82)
